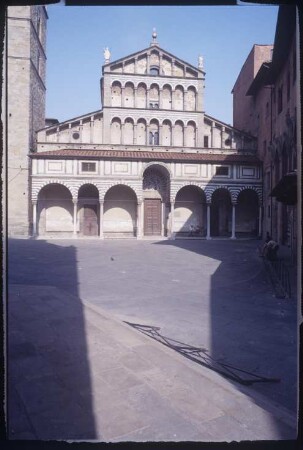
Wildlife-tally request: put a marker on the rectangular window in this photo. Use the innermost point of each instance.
(222, 170)
(206, 141)
(280, 98)
(88, 167)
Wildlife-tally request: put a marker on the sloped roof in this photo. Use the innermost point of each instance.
(146, 155)
(153, 47)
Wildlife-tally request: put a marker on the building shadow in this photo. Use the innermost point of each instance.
(248, 328)
(49, 393)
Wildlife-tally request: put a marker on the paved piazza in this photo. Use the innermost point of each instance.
(214, 294)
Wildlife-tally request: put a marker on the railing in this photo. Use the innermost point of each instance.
(280, 278)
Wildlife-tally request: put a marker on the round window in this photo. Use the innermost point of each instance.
(76, 135)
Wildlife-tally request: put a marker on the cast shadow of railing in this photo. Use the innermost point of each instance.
(248, 329)
(49, 380)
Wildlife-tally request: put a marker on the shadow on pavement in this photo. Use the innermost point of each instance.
(250, 328)
(46, 331)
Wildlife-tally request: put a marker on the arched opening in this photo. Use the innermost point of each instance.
(128, 137)
(88, 214)
(128, 100)
(55, 211)
(120, 212)
(166, 97)
(166, 133)
(190, 138)
(179, 134)
(247, 210)
(221, 213)
(115, 131)
(190, 99)
(153, 135)
(154, 97)
(179, 98)
(190, 212)
(141, 132)
(141, 96)
(156, 182)
(116, 92)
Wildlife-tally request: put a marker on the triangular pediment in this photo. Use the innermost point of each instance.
(168, 64)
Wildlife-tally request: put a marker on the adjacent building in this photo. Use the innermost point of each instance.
(151, 162)
(265, 99)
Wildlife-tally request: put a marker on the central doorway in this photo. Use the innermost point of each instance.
(152, 217)
(90, 220)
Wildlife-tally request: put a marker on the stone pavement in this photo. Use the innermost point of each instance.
(75, 373)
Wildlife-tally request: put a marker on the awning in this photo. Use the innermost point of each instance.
(286, 189)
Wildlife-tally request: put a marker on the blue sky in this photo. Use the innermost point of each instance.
(77, 36)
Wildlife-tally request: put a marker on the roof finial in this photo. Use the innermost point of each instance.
(154, 36)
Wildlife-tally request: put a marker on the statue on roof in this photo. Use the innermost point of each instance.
(106, 54)
(154, 37)
(200, 62)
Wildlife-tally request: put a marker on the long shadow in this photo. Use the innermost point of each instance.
(249, 328)
(49, 381)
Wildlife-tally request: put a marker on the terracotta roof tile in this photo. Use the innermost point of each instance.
(146, 155)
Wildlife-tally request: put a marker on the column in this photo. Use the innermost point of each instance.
(208, 220)
(122, 95)
(122, 133)
(135, 133)
(35, 218)
(162, 217)
(101, 210)
(173, 135)
(185, 137)
(147, 134)
(172, 209)
(160, 98)
(75, 202)
(135, 97)
(139, 220)
(233, 222)
(81, 130)
(58, 134)
(260, 221)
(148, 63)
(136, 64)
(69, 132)
(212, 135)
(160, 135)
(222, 137)
(91, 132)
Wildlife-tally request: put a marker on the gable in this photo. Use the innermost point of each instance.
(165, 62)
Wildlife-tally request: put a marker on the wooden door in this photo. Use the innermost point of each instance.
(152, 217)
(90, 220)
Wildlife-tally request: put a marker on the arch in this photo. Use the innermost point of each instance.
(153, 134)
(190, 211)
(121, 183)
(165, 169)
(88, 210)
(120, 211)
(153, 96)
(37, 189)
(247, 211)
(88, 190)
(179, 97)
(166, 133)
(167, 97)
(221, 212)
(128, 96)
(141, 95)
(256, 189)
(190, 103)
(179, 133)
(141, 132)
(55, 210)
(128, 132)
(115, 131)
(190, 136)
(116, 93)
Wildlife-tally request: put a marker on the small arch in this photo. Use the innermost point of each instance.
(128, 137)
(116, 93)
(190, 211)
(141, 132)
(190, 136)
(178, 95)
(115, 131)
(167, 97)
(120, 211)
(221, 211)
(166, 132)
(129, 96)
(191, 95)
(153, 134)
(179, 133)
(141, 95)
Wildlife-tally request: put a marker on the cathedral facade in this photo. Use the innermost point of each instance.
(150, 163)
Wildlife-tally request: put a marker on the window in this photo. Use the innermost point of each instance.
(222, 170)
(76, 135)
(205, 141)
(153, 138)
(154, 71)
(153, 105)
(280, 98)
(88, 167)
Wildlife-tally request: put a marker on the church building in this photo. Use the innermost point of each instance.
(149, 163)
